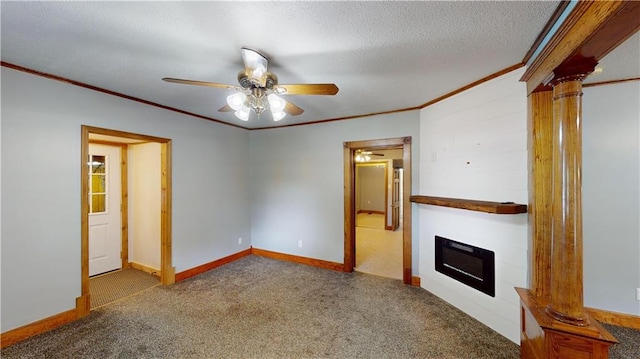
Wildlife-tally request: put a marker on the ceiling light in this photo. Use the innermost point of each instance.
(256, 100)
(276, 103)
(277, 116)
(363, 156)
(236, 100)
(243, 113)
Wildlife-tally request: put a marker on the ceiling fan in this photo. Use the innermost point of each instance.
(259, 89)
(365, 156)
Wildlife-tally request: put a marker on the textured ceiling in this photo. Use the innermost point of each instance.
(383, 56)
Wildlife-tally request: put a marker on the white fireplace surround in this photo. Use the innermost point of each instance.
(474, 146)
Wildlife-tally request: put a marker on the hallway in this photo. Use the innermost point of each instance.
(378, 251)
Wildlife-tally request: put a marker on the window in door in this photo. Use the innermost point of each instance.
(97, 184)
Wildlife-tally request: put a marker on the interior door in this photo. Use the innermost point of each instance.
(105, 242)
(395, 200)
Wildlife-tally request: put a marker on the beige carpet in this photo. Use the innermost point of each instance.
(107, 288)
(263, 308)
(378, 251)
(370, 220)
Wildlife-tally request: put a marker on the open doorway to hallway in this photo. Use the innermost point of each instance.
(126, 215)
(378, 202)
(396, 210)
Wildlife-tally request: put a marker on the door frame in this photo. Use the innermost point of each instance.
(167, 276)
(349, 149)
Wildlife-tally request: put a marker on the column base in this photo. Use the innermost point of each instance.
(542, 337)
(581, 322)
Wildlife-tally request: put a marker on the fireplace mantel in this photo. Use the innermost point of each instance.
(472, 205)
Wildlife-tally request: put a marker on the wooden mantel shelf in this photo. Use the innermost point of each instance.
(472, 205)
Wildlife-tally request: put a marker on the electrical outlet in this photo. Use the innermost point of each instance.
(299, 244)
(240, 240)
(637, 293)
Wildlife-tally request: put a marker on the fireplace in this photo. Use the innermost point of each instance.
(467, 264)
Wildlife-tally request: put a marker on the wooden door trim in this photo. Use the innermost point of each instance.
(83, 305)
(124, 203)
(349, 200)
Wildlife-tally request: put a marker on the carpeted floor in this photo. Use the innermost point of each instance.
(263, 308)
(379, 252)
(629, 346)
(120, 284)
(370, 220)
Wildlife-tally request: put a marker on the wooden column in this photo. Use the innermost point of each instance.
(540, 148)
(554, 322)
(566, 300)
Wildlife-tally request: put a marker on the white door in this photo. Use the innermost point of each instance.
(104, 209)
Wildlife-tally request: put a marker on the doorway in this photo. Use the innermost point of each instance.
(378, 239)
(106, 136)
(350, 151)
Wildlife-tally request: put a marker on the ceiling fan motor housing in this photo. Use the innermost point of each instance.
(271, 81)
(246, 82)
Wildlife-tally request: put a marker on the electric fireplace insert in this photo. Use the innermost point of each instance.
(473, 266)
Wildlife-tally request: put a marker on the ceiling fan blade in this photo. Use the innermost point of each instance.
(225, 108)
(199, 83)
(377, 154)
(308, 89)
(292, 109)
(255, 65)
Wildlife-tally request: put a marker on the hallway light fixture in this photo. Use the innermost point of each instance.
(363, 156)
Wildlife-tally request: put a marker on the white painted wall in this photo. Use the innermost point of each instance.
(41, 187)
(144, 204)
(474, 146)
(297, 183)
(611, 196)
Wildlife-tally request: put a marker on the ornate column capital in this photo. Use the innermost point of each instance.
(574, 71)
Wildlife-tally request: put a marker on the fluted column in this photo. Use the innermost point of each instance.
(566, 299)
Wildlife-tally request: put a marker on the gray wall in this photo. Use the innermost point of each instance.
(370, 187)
(611, 196)
(41, 121)
(272, 187)
(297, 183)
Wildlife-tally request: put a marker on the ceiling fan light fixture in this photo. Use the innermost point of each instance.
(276, 103)
(236, 100)
(363, 156)
(277, 116)
(243, 113)
(259, 90)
